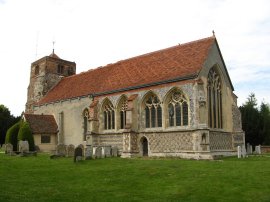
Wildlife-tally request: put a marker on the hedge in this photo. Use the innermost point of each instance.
(26, 134)
(12, 135)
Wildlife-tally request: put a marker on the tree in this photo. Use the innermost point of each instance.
(265, 123)
(25, 133)
(6, 120)
(250, 120)
(12, 135)
(256, 122)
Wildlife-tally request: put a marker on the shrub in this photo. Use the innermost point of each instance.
(12, 135)
(25, 133)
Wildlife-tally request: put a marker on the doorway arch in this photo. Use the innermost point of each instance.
(144, 146)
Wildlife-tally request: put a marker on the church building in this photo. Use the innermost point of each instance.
(177, 101)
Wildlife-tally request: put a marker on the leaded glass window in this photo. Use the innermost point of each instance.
(178, 110)
(214, 97)
(153, 112)
(85, 122)
(109, 117)
(123, 113)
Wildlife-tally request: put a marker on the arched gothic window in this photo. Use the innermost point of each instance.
(109, 117)
(214, 96)
(153, 112)
(85, 122)
(178, 110)
(123, 113)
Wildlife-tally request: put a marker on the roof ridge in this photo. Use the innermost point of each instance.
(138, 56)
(166, 64)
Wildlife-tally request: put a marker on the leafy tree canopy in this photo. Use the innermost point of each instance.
(256, 121)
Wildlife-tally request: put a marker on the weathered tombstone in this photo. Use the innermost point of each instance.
(249, 148)
(70, 150)
(98, 152)
(114, 151)
(23, 146)
(78, 154)
(61, 150)
(106, 151)
(258, 149)
(82, 147)
(239, 152)
(243, 151)
(88, 152)
(9, 148)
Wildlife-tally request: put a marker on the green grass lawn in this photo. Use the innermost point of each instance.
(143, 179)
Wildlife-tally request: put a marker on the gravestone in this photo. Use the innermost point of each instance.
(239, 152)
(78, 154)
(61, 150)
(88, 152)
(82, 147)
(70, 150)
(114, 151)
(258, 149)
(106, 151)
(23, 146)
(249, 148)
(9, 148)
(243, 151)
(98, 152)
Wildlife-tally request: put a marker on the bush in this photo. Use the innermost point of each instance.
(25, 133)
(12, 135)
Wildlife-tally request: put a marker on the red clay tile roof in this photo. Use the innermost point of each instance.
(41, 124)
(176, 62)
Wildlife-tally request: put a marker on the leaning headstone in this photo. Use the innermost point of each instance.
(9, 148)
(239, 152)
(114, 151)
(23, 146)
(88, 152)
(78, 154)
(98, 152)
(243, 151)
(258, 149)
(61, 150)
(70, 150)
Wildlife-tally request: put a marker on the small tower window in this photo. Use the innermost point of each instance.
(37, 70)
(70, 71)
(60, 69)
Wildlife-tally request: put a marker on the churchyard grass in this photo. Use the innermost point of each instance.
(142, 179)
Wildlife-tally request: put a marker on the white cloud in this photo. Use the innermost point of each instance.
(94, 33)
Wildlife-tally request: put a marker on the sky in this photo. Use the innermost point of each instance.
(95, 33)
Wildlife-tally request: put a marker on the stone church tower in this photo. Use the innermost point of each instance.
(45, 74)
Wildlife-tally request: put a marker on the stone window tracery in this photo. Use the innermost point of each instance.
(214, 96)
(109, 117)
(153, 112)
(85, 122)
(178, 110)
(123, 113)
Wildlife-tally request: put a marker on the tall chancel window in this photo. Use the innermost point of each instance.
(108, 117)
(214, 100)
(153, 112)
(178, 110)
(85, 122)
(123, 113)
